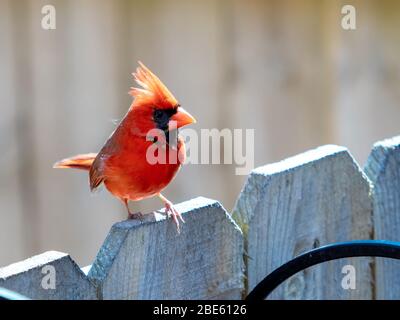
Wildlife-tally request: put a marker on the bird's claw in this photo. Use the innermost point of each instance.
(135, 215)
(176, 216)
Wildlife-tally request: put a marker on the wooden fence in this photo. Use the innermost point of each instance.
(316, 198)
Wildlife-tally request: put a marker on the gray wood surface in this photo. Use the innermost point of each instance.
(383, 168)
(312, 199)
(149, 260)
(28, 278)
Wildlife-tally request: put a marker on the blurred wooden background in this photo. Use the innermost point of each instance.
(285, 68)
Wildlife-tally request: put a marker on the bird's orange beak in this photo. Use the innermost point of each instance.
(182, 118)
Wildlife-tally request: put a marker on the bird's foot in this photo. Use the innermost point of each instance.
(176, 216)
(135, 215)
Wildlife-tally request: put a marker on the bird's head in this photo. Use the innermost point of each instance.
(154, 105)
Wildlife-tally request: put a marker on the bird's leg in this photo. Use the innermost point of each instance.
(171, 211)
(132, 215)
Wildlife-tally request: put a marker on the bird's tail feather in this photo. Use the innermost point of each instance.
(80, 161)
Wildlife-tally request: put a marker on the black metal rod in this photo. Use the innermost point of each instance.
(359, 248)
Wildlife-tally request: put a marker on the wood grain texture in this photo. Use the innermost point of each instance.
(25, 277)
(383, 168)
(149, 260)
(312, 199)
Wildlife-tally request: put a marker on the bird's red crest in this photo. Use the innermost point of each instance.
(153, 91)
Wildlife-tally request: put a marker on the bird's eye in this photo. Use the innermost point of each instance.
(158, 114)
(161, 118)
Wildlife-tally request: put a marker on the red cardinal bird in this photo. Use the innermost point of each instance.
(122, 164)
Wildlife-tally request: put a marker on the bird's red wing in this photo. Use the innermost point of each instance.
(96, 176)
(96, 173)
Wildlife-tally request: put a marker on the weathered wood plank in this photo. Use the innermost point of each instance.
(149, 260)
(365, 100)
(12, 222)
(33, 278)
(383, 168)
(312, 199)
(295, 73)
(71, 86)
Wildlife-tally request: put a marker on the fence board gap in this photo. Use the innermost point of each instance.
(383, 168)
(313, 199)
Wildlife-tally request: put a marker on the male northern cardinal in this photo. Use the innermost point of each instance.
(122, 164)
